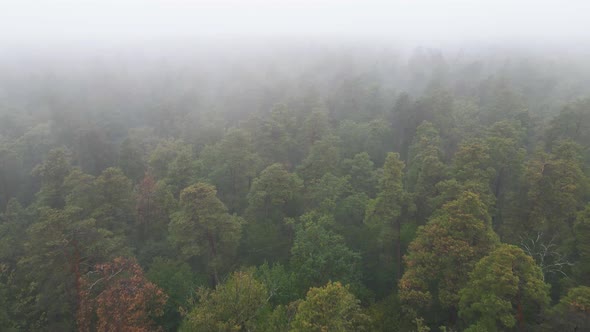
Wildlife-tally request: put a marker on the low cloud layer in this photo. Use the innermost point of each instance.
(431, 21)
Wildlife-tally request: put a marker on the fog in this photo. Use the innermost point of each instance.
(211, 47)
(294, 165)
(53, 23)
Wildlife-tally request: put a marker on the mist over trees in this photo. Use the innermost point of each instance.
(295, 187)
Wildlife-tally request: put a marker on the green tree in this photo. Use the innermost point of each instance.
(572, 313)
(276, 320)
(319, 255)
(153, 205)
(362, 173)
(401, 120)
(386, 315)
(582, 244)
(232, 306)
(467, 121)
(373, 138)
(202, 227)
(316, 126)
(425, 169)
(11, 174)
(13, 232)
(353, 136)
(52, 172)
(330, 308)
(323, 157)
(385, 212)
(173, 162)
(557, 189)
(165, 152)
(231, 165)
(114, 201)
(471, 171)
(82, 191)
(571, 123)
(131, 159)
(349, 216)
(15, 307)
(505, 142)
(273, 135)
(176, 279)
(275, 194)
(444, 251)
(93, 151)
(436, 107)
(505, 292)
(501, 101)
(280, 283)
(62, 246)
(324, 194)
(378, 141)
(5, 319)
(472, 168)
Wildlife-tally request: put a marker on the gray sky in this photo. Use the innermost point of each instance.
(58, 21)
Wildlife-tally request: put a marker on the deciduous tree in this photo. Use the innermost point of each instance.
(116, 296)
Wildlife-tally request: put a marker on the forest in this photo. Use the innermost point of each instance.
(344, 187)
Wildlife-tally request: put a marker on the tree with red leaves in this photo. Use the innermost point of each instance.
(116, 296)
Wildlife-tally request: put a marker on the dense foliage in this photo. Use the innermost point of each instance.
(360, 191)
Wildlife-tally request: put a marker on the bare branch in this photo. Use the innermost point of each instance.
(546, 254)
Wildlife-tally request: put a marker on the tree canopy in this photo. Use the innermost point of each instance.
(321, 188)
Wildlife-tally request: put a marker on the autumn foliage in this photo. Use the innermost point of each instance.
(116, 296)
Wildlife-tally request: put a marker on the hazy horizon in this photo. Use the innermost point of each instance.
(61, 24)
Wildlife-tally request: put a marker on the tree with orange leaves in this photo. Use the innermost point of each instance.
(117, 297)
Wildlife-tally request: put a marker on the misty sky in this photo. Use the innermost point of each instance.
(53, 21)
